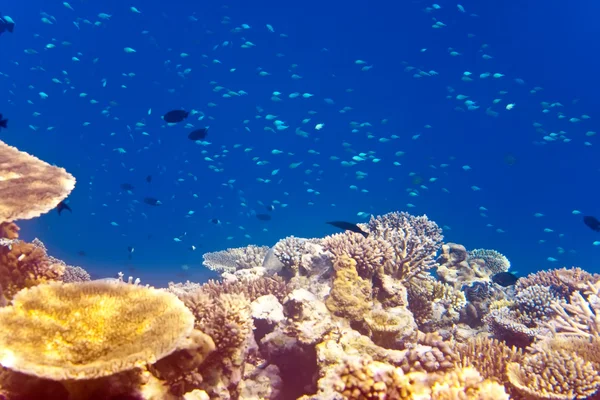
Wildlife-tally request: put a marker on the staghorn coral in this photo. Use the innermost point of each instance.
(350, 295)
(580, 316)
(492, 260)
(489, 356)
(289, 252)
(553, 374)
(24, 265)
(231, 260)
(414, 240)
(29, 187)
(295, 257)
(369, 254)
(90, 329)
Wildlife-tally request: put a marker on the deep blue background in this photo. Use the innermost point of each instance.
(547, 44)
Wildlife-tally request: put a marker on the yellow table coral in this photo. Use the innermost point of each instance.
(91, 329)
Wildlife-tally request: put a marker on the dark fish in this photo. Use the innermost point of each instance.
(270, 208)
(152, 201)
(63, 206)
(127, 186)
(592, 222)
(198, 134)
(175, 116)
(3, 122)
(149, 178)
(130, 250)
(6, 24)
(81, 253)
(263, 217)
(505, 278)
(215, 221)
(348, 226)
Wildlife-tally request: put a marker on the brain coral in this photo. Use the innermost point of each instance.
(91, 329)
(29, 187)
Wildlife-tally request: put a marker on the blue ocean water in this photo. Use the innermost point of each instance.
(388, 85)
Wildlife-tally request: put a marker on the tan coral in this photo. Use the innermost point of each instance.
(90, 329)
(350, 296)
(9, 230)
(581, 316)
(429, 353)
(29, 187)
(555, 375)
(233, 259)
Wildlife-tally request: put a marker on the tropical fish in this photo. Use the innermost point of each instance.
(505, 278)
(6, 24)
(592, 222)
(127, 186)
(63, 206)
(263, 217)
(198, 134)
(3, 122)
(175, 116)
(152, 201)
(149, 178)
(348, 226)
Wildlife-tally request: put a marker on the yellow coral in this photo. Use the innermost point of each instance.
(29, 187)
(90, 329)
(350, 296)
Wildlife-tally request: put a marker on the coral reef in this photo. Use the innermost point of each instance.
(29, 187)
(343, 317)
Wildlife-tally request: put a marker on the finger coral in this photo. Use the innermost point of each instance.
(90, 329)
(489, 356)
(370, 255)
(553, 374)
(414, 240)
(29, 187)
(231, 260)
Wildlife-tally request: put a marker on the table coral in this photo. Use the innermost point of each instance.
(233, 259)
(90, 329)
(29, 187)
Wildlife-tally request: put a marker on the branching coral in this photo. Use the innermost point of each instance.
(298, 257)
(24, 265)
(581, 315)
(29, 187)
(90, 329)
(251, 289)
(553, 374)
(75, 274)
(489, 356)
(414, 240)
(367, 379)
(492, 260)
(563, 281)
(231, 260)
(369, 254)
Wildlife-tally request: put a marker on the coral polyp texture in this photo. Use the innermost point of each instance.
(394, 314)
(29, 187)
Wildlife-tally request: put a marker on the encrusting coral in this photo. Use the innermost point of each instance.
(29, 187)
